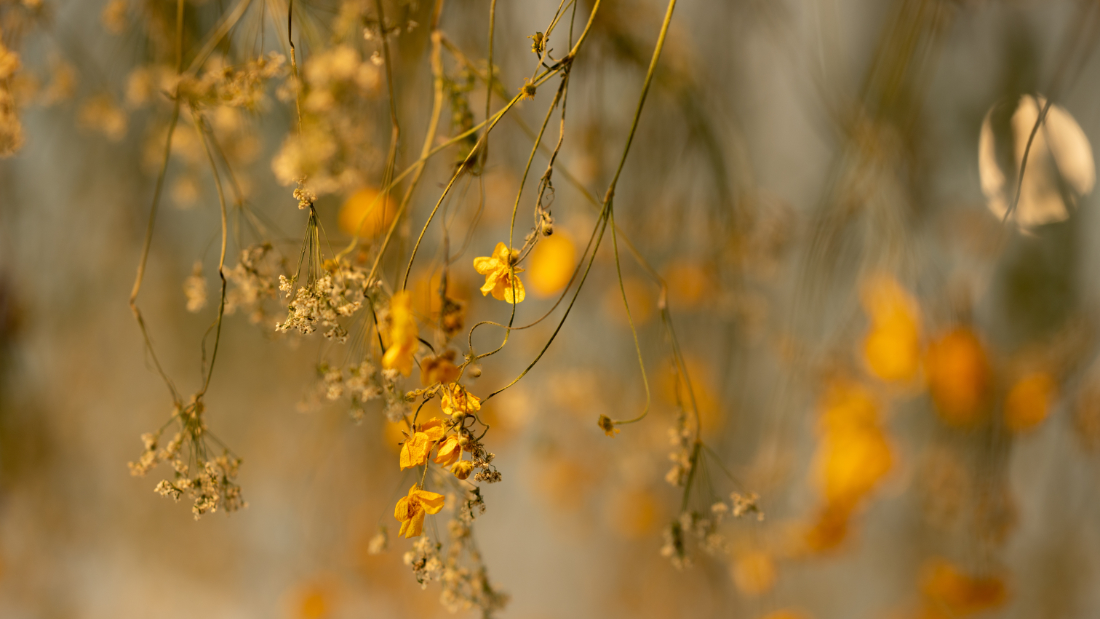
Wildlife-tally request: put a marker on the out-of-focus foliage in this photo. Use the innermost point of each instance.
(629, 308)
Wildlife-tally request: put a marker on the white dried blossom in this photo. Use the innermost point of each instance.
(194, 288)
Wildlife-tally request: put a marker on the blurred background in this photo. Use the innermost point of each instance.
(882, 331)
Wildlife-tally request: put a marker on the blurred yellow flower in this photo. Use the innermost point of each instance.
(366, 207)
(853, 457)
(754, 572)
(411, 509)
(1028, 402)
(689, 283)
(499, 272)
(403, 335)
(552, 264)
(891, 348)
(456, 400)
(852, 463)
(958, 376)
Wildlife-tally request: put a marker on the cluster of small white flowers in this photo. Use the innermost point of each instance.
(194, 288)
(396, 406)
(328, 149)
(681, 438)
(151, 457)
(304, 195)
(746, 504)
(222, 84)
(332, 381)
(340, 292)
(465, 587)
(252, 281)
(379, 543)
(704, 528)
(210, 488)
(425, 561)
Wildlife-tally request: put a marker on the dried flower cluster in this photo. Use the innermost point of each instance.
(338, 293)
(207, 481)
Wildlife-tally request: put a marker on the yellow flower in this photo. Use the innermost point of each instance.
(410, 510)
(958, 377)
(462, 469)
(416, 448)
(457, 400)
(552, 263)
(500, 275)
(754, 573)
(365, 213)
(891, 348)
(403, 335)
(854, 454)
(449, 452)
(607, 426)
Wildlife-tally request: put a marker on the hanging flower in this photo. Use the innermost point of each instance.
(416, 448)
(456, 400)
(500, 275)
(450, 450)
(411, 509)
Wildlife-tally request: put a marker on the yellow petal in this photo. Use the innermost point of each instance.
(406, 458)
(515, 295)
(414, 526)
(490, 286)
(401, 511)
(483, 264)
(415, 450)
(448, 452)
(431, 501)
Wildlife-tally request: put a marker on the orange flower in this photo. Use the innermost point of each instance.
(449, 452)
(403, 335)
(892, 346)
(958, 376)
(416, 448)
(500, 275)
(411, 509)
